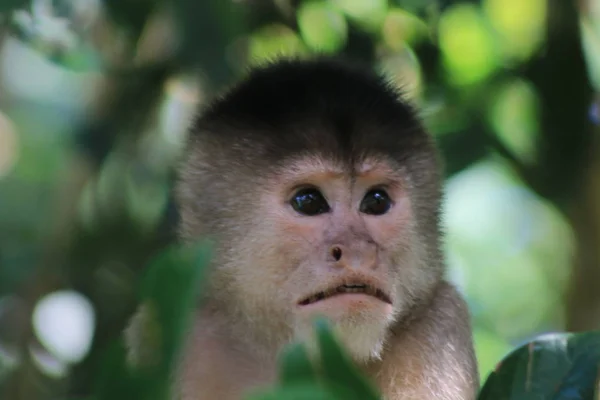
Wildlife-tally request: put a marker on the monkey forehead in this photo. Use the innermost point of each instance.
(317, 168)
(319, 105)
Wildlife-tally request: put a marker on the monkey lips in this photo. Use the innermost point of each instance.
(355, 295)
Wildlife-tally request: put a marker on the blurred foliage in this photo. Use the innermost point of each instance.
(95, 100)
(168, 295)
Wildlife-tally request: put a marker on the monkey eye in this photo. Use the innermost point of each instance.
(310, 202)
(375, 202)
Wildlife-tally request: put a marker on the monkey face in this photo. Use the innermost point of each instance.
(322, 190)
(334, 243)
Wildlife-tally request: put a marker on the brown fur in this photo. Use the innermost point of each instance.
(345, 132)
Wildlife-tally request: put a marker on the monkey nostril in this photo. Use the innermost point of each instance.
(336, 252)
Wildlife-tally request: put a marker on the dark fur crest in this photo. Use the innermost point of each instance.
(319, 105)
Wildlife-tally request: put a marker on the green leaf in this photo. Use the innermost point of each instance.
(344, 378)
(171, 286)
(552, 367)
(114, 380)
(295, 366)
(322, 26)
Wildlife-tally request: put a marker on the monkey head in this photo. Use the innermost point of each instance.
(321, 191)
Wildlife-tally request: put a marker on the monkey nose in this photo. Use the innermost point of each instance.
(360, 257)
(336, 253)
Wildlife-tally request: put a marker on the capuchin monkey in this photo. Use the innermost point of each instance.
(321, 190)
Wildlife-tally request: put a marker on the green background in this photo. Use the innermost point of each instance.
(94, 99)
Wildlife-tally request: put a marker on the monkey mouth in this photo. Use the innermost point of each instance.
(361, 288)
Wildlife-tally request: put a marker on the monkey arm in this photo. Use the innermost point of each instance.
(434, 358)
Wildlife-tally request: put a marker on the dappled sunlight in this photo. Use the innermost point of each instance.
(467, 44)
(519, 25)
(64, 324)
(322, 26)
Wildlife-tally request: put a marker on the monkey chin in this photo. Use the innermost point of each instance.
(360, 323)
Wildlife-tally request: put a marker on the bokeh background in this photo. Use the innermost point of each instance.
(96, 96)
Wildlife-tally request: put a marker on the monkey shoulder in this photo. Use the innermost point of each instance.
(431, 356)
